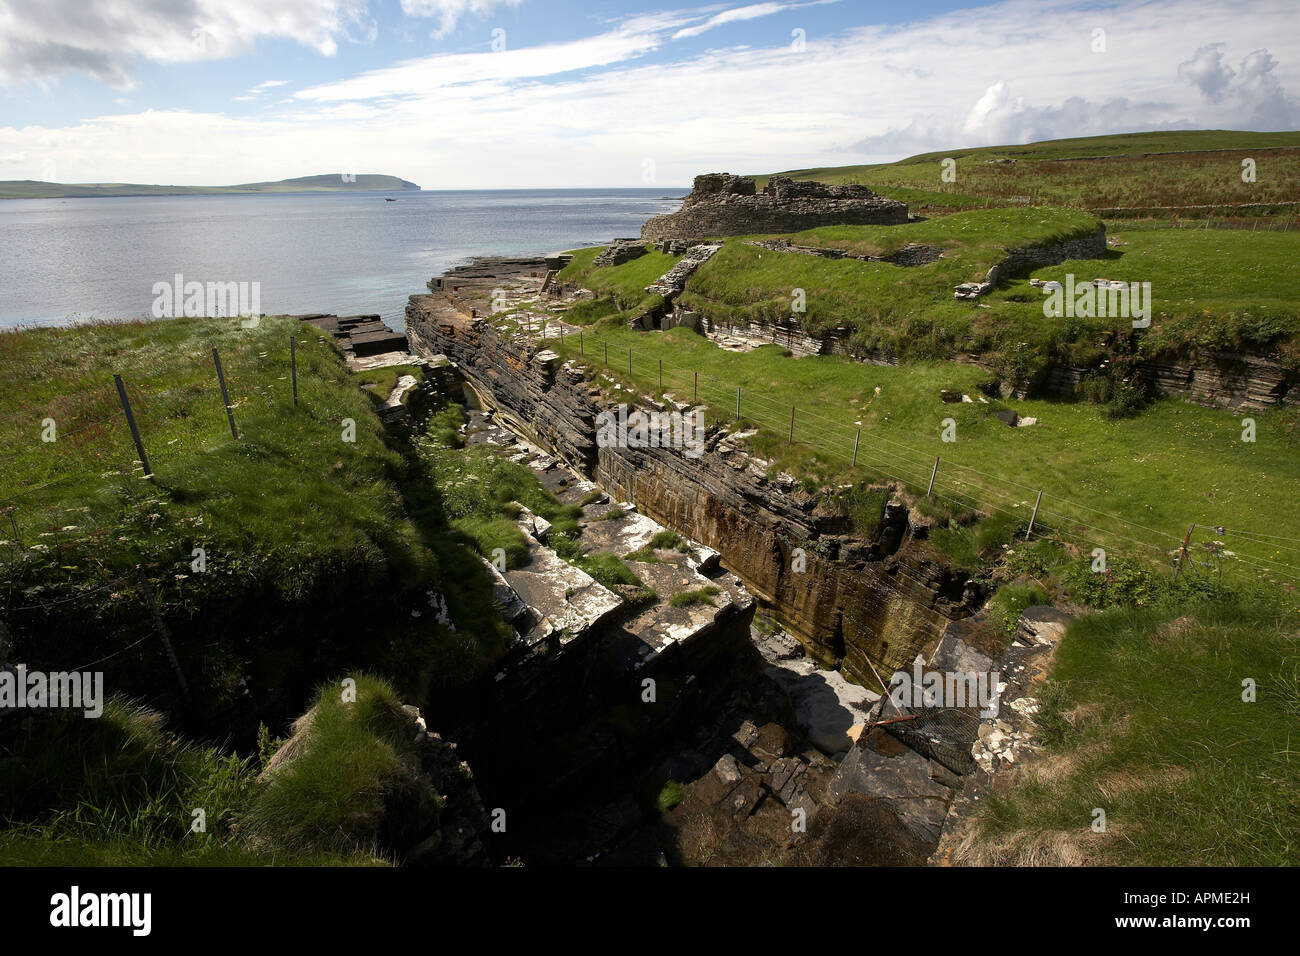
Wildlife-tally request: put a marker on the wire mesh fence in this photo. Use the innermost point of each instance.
(943, 734)
(1068, 521)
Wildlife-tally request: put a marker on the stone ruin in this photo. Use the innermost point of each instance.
(721, 204)
(620, 251)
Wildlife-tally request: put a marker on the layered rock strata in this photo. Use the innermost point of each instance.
(852, 602)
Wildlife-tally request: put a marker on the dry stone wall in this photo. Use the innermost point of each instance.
(721, 204)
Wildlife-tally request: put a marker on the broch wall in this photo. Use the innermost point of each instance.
(721, 204)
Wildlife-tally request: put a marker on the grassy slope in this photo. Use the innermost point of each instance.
(1211, 289)
(620, 290)
(120, 790)
(744, 282)
(1145, 719)
(1208, 172)
(284, 514)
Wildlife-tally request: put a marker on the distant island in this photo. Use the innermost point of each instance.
(329, 182)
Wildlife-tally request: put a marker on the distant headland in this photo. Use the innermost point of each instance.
(329, 182)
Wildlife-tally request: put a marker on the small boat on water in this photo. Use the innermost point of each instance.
(386, 199)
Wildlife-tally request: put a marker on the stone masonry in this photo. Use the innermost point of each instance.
(721, 204)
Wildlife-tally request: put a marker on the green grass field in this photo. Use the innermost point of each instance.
(1210, 290)
(1105, 482)
(1145, 719)
(1096, 172)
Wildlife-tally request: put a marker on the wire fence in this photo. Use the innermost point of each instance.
(102, 622)
(106, 430)
(1039, 512)
(105, 437)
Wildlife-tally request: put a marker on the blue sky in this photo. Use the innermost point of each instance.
(482, 93)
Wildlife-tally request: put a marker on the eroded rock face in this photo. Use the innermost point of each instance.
(852, 602)
(721, 204)
(1233, 380)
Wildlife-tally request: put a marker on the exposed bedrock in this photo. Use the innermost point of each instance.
(854, 601)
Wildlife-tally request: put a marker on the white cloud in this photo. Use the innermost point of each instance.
(1253, 92)
(589, 111)
(1207, 72)
(420, 77)
(43, 39)
(449, 12)
(734, 15)
(998, 117)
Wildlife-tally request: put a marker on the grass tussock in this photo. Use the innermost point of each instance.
(122, 790)
(348, 781)
(1146, 717)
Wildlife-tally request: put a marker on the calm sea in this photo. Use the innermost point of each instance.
(62, 260)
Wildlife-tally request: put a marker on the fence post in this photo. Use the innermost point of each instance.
(856, 441)
(792, 424)
(130, 421)
(737, 403)
(696, 396)
(661, 375)
(933, 471)
(293, 365)
(1182, 554)
(607, 353)
(629, 362)
(162, 630)
(1030, 529)
(225, 395)
(581, 350)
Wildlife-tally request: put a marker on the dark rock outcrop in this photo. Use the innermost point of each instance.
(360, 335)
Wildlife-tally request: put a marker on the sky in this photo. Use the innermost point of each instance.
(539, 93)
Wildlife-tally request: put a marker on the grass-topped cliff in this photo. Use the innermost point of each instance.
(1138, 172)
(1118, 466)
(1144, 711)
(313, 549)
